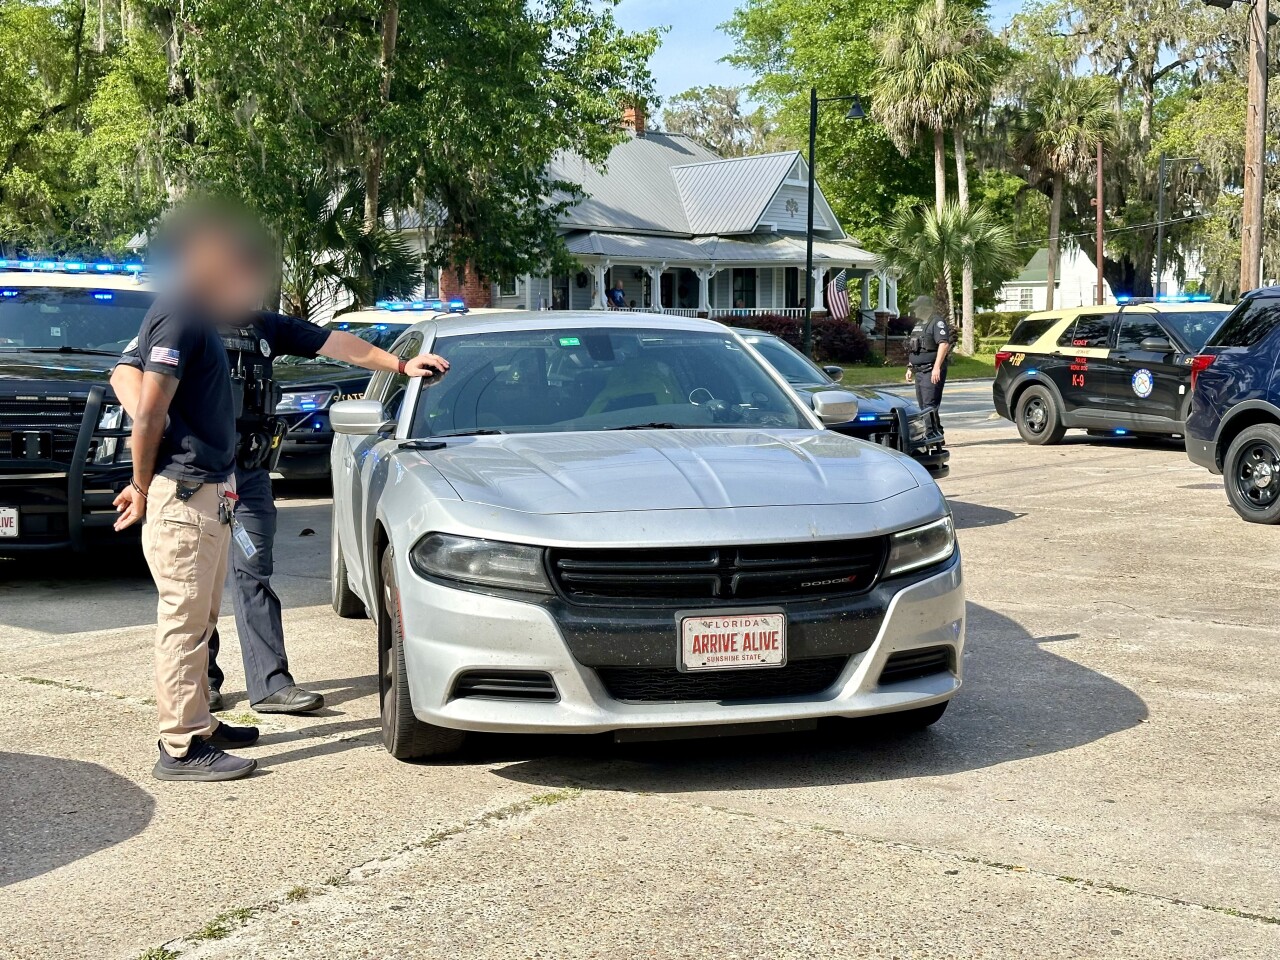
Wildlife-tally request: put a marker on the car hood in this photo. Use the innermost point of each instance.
(295, 375)
(869, 400)
(669, 470)
(24, 368)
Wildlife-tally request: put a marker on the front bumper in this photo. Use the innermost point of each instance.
(449, 632)
(305, 449)
(893, 430)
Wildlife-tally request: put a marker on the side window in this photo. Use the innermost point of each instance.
(1031, 329)
(1091, 331)
(388, 388)
(1137, 327)
(1248, 323)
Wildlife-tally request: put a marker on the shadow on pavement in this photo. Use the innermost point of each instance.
(56, 811)
(970, 515)
(1019, 700)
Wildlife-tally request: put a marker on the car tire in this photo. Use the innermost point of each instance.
(345, 603)
(404, 735)
(1251, 473)
(1037, 417)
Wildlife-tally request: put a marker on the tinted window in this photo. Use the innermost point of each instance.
(52, 318)
(1194, 327)
(1248, 323)
(1030, 330)
(1090, 331)
(1138, 327)
(788, 361)
(588, 379)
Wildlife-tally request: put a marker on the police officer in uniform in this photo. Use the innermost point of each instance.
(250, 351)
(928, 350)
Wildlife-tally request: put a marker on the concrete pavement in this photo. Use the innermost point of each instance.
(1105, 786)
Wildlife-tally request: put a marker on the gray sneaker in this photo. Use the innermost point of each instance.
(203, 763)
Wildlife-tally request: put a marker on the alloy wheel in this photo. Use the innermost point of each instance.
(1257, 474)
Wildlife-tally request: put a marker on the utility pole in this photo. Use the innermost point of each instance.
(1255, 135)
(1098, 296)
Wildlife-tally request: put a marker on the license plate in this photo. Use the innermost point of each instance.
(8, 521)
(715, 641)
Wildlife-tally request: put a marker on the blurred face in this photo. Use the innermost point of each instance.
(215, 269)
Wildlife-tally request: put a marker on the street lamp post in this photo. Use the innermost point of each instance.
(1166, 161)
(856, 112)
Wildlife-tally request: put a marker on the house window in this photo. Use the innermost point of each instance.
(744, 287)
(508, 287)
(793, 294)
(1023, 297)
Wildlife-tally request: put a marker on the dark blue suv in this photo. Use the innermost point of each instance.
(1234, 426)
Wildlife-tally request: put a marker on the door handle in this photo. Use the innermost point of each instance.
(1120, 357)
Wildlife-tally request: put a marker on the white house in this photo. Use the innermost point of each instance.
(1076, 283)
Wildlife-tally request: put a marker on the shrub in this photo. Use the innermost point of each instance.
(995, 323)
(839, 341)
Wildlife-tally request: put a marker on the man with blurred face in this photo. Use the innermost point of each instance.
(184, 443)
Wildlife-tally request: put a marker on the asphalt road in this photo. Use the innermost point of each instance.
(1105, 786)
(965, 403)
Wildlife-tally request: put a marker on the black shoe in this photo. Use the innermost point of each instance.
(227, 737)
(203, 764)
(215, 700)
(291, 699)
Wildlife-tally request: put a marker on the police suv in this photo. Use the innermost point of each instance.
(1110, 370)
(64, 440)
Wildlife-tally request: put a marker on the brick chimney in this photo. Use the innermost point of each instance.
(633, 117)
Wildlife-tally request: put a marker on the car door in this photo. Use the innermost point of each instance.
(1080, 366)
(1148, 382)
(354, 466)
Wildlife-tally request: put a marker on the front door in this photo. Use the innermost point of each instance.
(1081, 369)
(1149, 385)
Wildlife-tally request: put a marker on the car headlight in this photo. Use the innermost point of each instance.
(921, 546)
(305, 401)
(113, 418)
(486, 563)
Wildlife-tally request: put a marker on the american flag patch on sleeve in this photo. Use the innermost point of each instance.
(165, 355)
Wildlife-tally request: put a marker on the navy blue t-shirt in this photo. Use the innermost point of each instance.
(289, 334)
(200, 442)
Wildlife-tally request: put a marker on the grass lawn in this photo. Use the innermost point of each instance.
(980, 366)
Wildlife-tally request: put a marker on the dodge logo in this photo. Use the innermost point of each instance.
(827, 583)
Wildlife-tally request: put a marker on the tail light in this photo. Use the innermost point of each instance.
(1002, 356)
(1198, 363)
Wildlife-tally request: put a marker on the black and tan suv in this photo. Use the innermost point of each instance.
(1109, 370)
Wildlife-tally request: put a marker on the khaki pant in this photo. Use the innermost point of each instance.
(186, 548)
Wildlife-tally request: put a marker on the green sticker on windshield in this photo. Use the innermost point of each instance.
(570, 342)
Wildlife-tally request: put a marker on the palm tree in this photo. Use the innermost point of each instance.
(1064, 121)
(925, 248)
(937, 68)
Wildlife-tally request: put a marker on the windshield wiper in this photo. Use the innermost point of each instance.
(470, 433)
(86, 350)
(653, 426)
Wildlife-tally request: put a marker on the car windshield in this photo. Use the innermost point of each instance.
(539, 381)
(1193, 327)
(70, 318)
(379, 334)
(787, 360)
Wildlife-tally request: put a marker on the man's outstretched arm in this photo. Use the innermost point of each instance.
(361, 353)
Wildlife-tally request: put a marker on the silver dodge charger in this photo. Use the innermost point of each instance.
(631, 524)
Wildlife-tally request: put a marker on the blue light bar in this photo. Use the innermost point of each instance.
(103, 295)
(73, 266)
(433, 305)
(1123, 298)
(8, 293)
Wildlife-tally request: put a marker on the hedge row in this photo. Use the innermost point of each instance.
(839, 341)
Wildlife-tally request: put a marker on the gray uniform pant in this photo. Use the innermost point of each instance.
(258, 620)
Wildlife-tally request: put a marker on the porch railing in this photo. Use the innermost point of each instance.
(673, 311)
(796, 312)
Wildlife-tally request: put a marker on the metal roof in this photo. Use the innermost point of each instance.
(730, 196)
(763, 248)
(636, 191)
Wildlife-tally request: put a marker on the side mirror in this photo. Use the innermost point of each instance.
(1156, 345)
(359, 418)
(835, 406)
(835, 373)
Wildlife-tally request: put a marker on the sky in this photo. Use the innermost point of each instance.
(693, 46)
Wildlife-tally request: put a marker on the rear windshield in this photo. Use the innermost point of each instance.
(1030, 330)
(70, 318)
(1194, 328)
(1248, 323)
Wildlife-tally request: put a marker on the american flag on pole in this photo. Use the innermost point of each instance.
(838, 296)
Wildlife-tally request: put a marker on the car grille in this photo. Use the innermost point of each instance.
(911, 664)
(692, 574)
(667, 684)
(506, 685)
(40, 429)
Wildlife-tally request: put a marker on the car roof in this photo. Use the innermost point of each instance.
(1167, 306)
(467, 323)
(17, 279)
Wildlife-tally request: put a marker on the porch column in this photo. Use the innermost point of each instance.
(819, 293)
(704, 288)
(655, 287)
(882, 298)
(893, 295)
(597, 299)
(865, 300)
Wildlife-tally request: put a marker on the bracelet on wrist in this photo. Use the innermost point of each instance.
(134, 484)
(402, 365)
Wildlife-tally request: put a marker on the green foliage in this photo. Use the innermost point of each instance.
(995, 323)
(716, 116)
